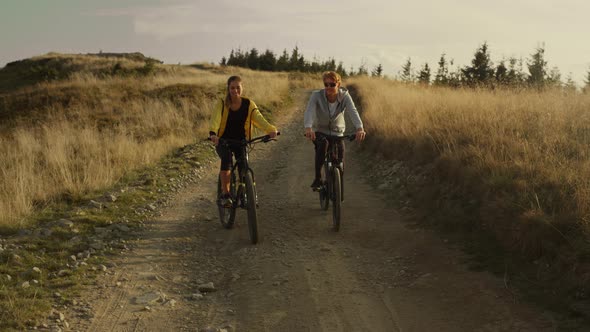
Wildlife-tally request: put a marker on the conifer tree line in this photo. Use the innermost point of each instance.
(294, 61)
(482, 72)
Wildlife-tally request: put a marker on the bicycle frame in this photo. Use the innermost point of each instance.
(242, 187)
(242, 166)
(332, 188)
(331, 161)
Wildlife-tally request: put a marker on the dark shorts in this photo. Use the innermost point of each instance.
(225, 153)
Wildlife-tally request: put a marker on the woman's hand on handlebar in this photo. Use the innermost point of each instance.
(214, 139)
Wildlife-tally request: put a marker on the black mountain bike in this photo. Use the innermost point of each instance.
(242, 187)
(332, 188)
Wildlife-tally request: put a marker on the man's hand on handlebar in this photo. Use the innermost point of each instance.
(360, 134)
(310, 134)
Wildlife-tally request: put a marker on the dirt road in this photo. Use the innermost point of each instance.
(376, 274)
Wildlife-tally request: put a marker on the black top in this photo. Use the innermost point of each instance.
(236, 121)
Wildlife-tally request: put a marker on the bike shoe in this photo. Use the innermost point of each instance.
(316, 185)
(225, 200)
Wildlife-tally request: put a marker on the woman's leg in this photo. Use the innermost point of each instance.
(224, 154)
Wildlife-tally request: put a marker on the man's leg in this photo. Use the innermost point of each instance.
(321, 146)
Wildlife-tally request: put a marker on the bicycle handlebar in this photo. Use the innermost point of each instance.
(263, 139)
(322, 137)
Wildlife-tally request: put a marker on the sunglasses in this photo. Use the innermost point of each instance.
(331, 85)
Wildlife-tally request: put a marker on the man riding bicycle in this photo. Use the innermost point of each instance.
(325, 115)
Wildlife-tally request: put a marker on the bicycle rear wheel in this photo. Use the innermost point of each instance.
(251, 206)
(227, 215)
(337, 197)
(324, 191)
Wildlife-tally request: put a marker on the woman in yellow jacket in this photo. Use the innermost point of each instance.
(233, 118)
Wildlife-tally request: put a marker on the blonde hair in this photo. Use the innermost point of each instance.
(332, 75)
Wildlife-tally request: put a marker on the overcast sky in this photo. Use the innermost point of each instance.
(352, 31)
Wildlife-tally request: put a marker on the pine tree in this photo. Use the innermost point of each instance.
(442, 74)
(537, 68)
(501, 73)
(424, 75)
(587, 81)
(253, 60)
(406, 74)
(268, 61)
(340, 69)
(283, 61)
(378, 71)
(481, 71)
(454, 75)
(223, 61)
(296, 62)
(293, 61)
(363, 71)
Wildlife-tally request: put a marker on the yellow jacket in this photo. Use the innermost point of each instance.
(219, 119)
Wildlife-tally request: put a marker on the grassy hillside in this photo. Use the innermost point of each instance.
(512, 166)
(97, 117)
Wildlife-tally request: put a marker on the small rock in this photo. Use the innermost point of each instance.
(97, 245)
(36, 270)
(102, 268)
(197, 296)
(64, 273)
(65, 223)
(148, 298)
(95, 204)
(207, 287)
(25, 284)
(110, 198)
(151, 207)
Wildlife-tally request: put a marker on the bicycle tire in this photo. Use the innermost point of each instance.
(251, 206)
(227, 215)
(324, 191)
(337, 198)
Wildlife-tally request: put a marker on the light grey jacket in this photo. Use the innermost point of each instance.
(317, 115)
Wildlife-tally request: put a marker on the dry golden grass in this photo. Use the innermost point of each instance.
(527, 151)
(109, 126)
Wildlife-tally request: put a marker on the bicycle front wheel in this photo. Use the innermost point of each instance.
(336, 198)
(251, 206)
(227, 215)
